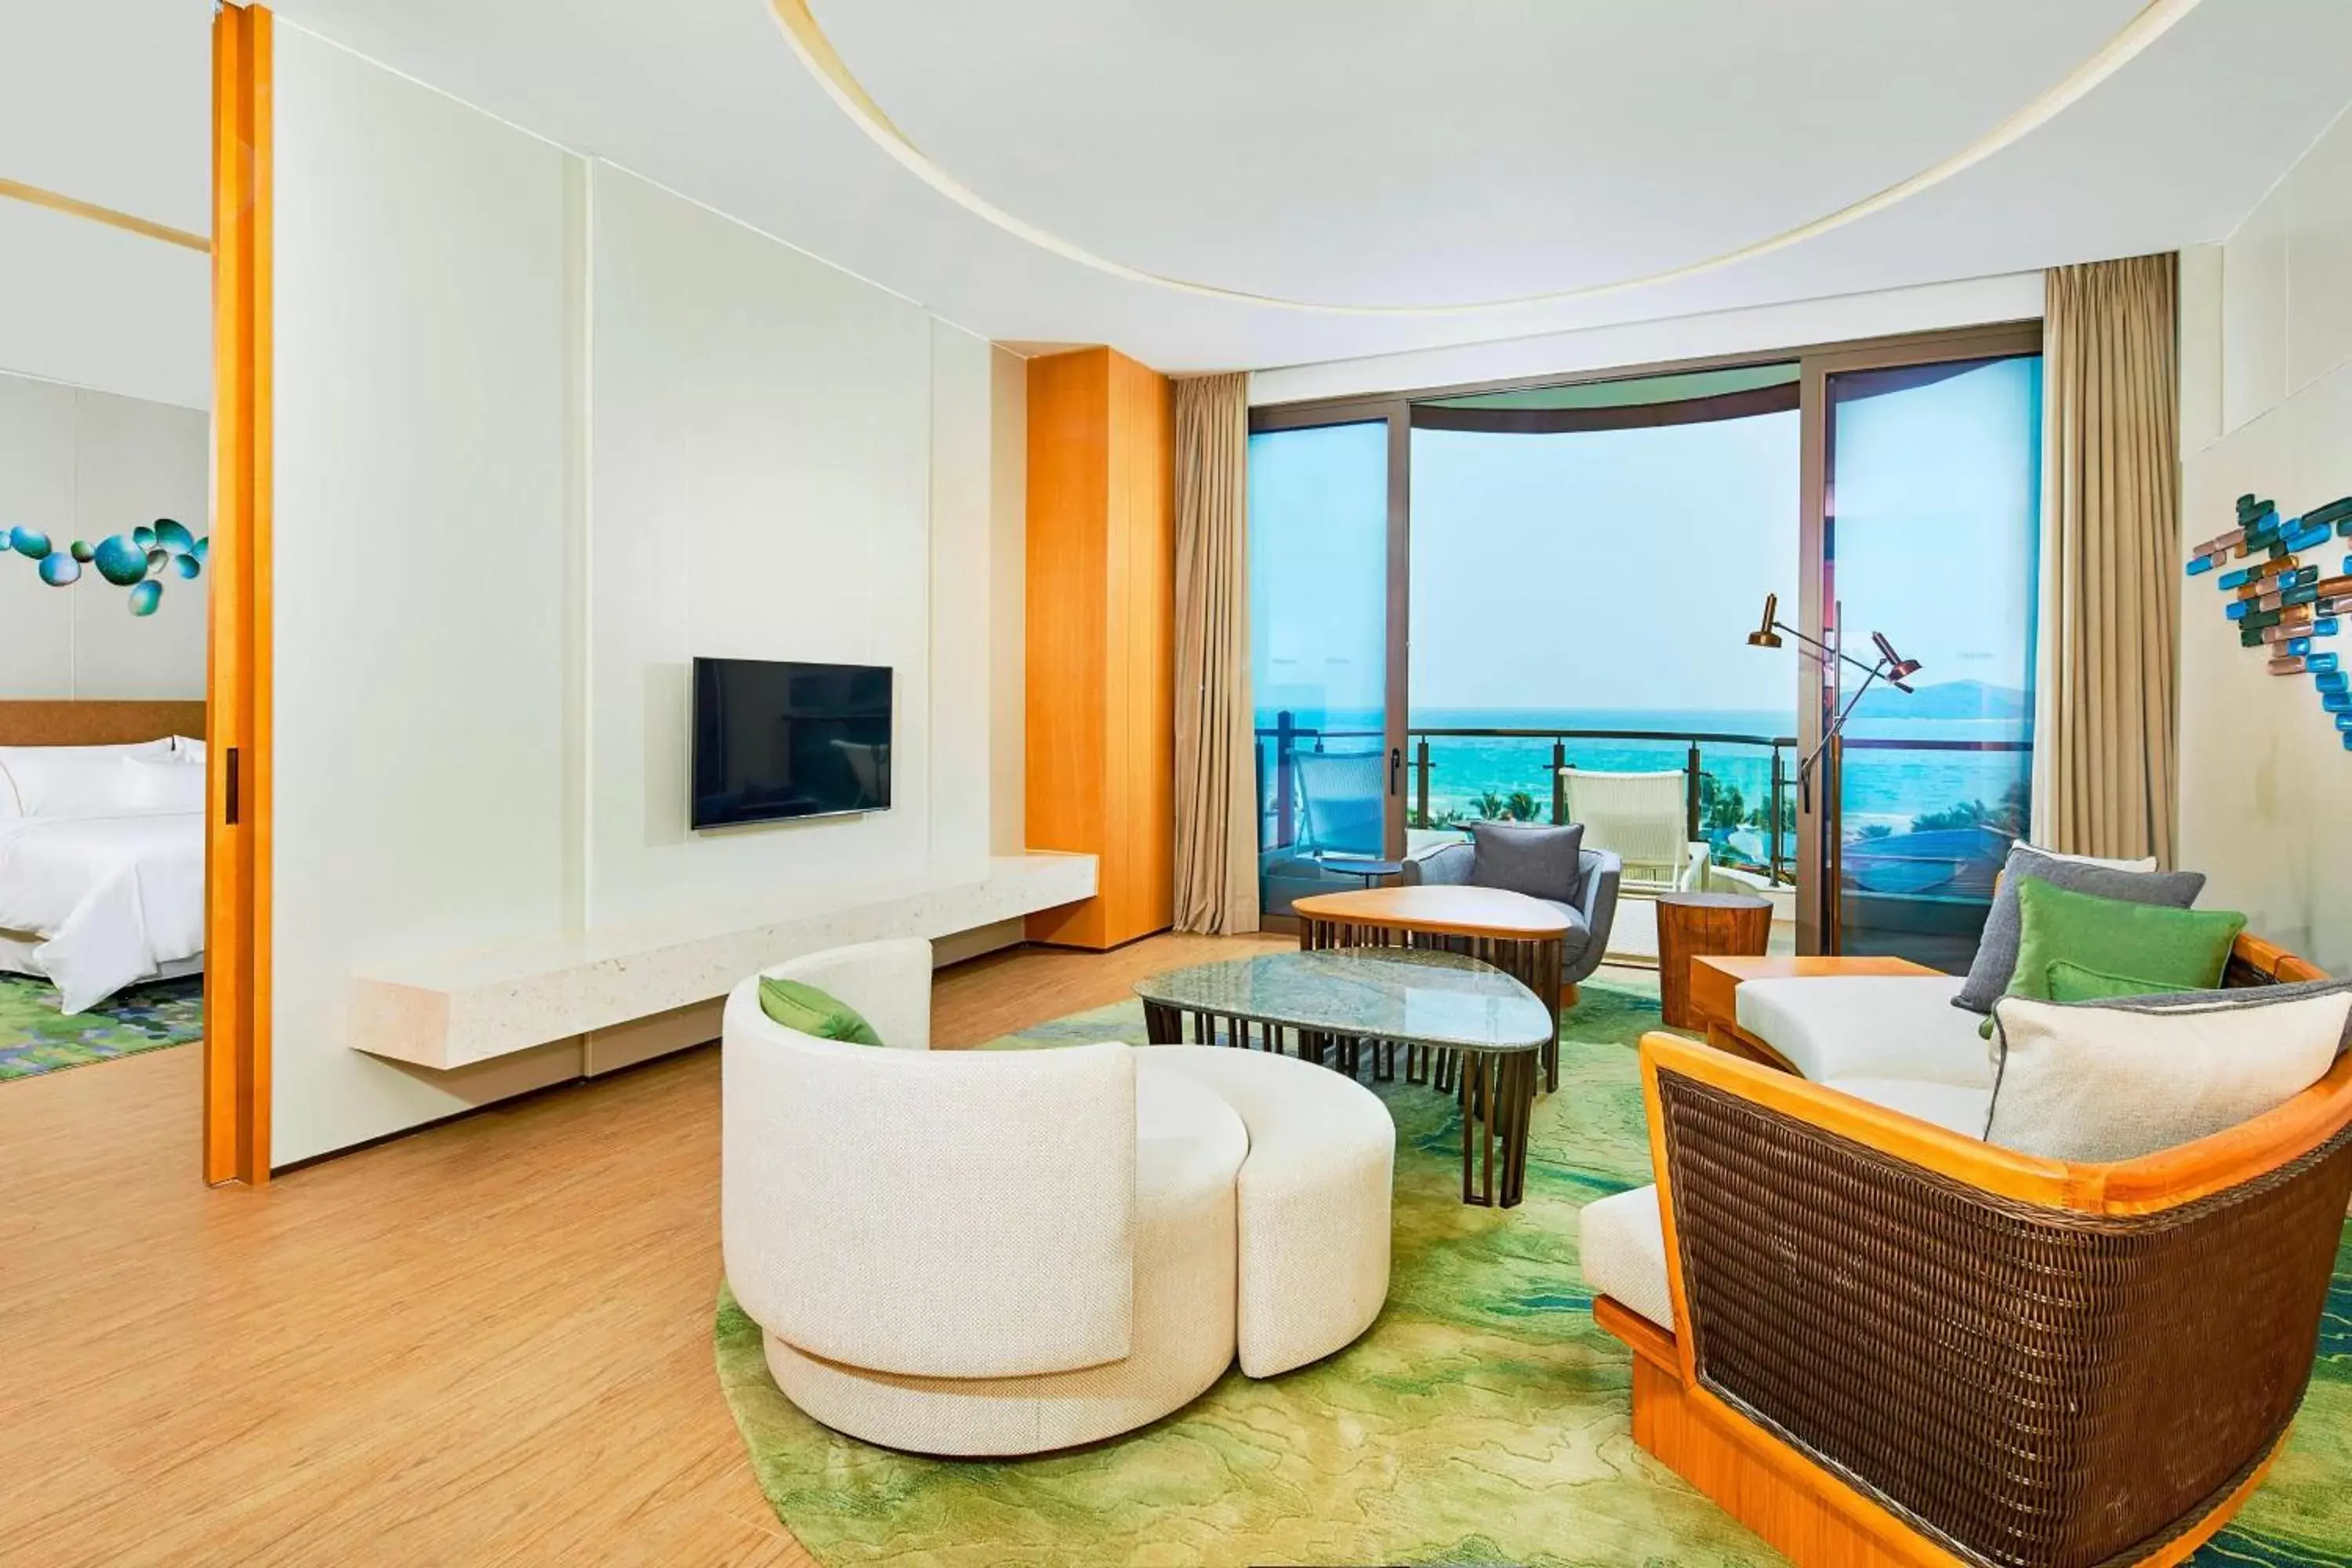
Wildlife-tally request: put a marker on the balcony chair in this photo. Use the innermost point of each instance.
(1590, 904)
(1877, 1340)
(1644, 819)
(1341, 802)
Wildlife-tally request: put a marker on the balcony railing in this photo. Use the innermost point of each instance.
(1551, 750)
(1714, 765)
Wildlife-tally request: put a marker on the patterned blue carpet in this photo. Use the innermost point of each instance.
(35, 1038)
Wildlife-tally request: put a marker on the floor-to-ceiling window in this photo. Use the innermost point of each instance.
(1582, 559)
(1532, 603)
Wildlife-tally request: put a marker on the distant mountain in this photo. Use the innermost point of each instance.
(1947, 700)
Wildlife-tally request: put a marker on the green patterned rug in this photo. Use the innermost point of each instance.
(34, 1037)
(1484, 1419)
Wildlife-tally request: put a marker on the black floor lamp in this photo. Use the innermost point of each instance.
(1889, 666)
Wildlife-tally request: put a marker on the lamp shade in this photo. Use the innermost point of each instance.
(1764, 636)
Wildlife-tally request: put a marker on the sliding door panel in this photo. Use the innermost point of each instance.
(1319, 544)
(1930, 538)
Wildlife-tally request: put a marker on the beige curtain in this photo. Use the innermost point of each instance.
(1216, 774)
(2112, 578)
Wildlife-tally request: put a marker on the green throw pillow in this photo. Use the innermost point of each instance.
(2159, 947)
(2072, 982)
(798, 1006)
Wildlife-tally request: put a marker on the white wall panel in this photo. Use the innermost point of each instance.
(36, 481)
(95, 307)
(962, 602)
(2319, 258)
(2255, 314)
(1008, 512)
(762, 448)
(421, 339)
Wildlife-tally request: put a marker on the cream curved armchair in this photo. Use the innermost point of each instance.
(971, 1253)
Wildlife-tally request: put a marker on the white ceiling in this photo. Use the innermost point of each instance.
(1356, 152)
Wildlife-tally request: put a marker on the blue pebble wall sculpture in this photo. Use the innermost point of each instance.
(140, 561)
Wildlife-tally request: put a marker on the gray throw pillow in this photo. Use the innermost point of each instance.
(1543, 862)
(1996, 960)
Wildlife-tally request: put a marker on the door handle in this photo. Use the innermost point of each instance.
(1396, 769)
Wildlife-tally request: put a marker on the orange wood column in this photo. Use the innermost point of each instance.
(237, 687)
(1101, 639)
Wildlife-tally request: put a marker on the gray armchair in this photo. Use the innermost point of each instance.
(1590, 905)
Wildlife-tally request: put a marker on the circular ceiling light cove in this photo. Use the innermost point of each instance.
(817, 52)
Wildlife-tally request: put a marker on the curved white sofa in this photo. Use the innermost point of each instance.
(1006, 1252)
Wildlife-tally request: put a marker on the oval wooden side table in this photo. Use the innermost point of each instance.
(1704, 925)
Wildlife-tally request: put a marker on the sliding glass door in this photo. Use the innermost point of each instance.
(1930, 529)
(1325, 519)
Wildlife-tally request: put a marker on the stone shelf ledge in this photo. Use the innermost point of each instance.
(462, 1008)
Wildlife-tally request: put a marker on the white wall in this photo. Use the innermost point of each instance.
(419, 588)
(1766, 328)
(2266, 407)
(1008, 595)
(545, 433)
(963, 601)
(761, 440)
(77, 463)
(108, 101)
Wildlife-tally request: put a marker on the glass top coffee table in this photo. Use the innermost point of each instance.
(1339, 1006)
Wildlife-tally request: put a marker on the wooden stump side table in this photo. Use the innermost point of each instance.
(1701, 925)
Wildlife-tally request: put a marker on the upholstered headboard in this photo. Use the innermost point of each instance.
(58, 723)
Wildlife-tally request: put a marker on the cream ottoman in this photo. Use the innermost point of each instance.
(1314, 1192)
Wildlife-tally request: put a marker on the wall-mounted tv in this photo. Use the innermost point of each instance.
(774, 741)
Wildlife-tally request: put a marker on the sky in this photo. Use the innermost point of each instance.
(1623, 569)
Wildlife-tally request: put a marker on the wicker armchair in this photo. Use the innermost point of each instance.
(1897, 1345)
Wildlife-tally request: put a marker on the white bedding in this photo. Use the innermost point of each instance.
(115, 899)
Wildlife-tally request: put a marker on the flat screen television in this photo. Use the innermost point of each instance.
(776, 741)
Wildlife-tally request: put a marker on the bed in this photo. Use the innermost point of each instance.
(102, 845)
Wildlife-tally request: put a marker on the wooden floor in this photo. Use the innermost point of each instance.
(486, 1344)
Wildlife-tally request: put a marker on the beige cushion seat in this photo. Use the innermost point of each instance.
(1868, 1027)
(1622, 1249)
(1314, 1199)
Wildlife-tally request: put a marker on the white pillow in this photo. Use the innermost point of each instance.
(188, 746)
(69, 781)
(166, 784)
(2114, 1081)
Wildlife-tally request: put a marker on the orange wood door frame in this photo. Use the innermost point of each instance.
(237, 684)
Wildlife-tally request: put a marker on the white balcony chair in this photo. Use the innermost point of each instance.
(1643, 819)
